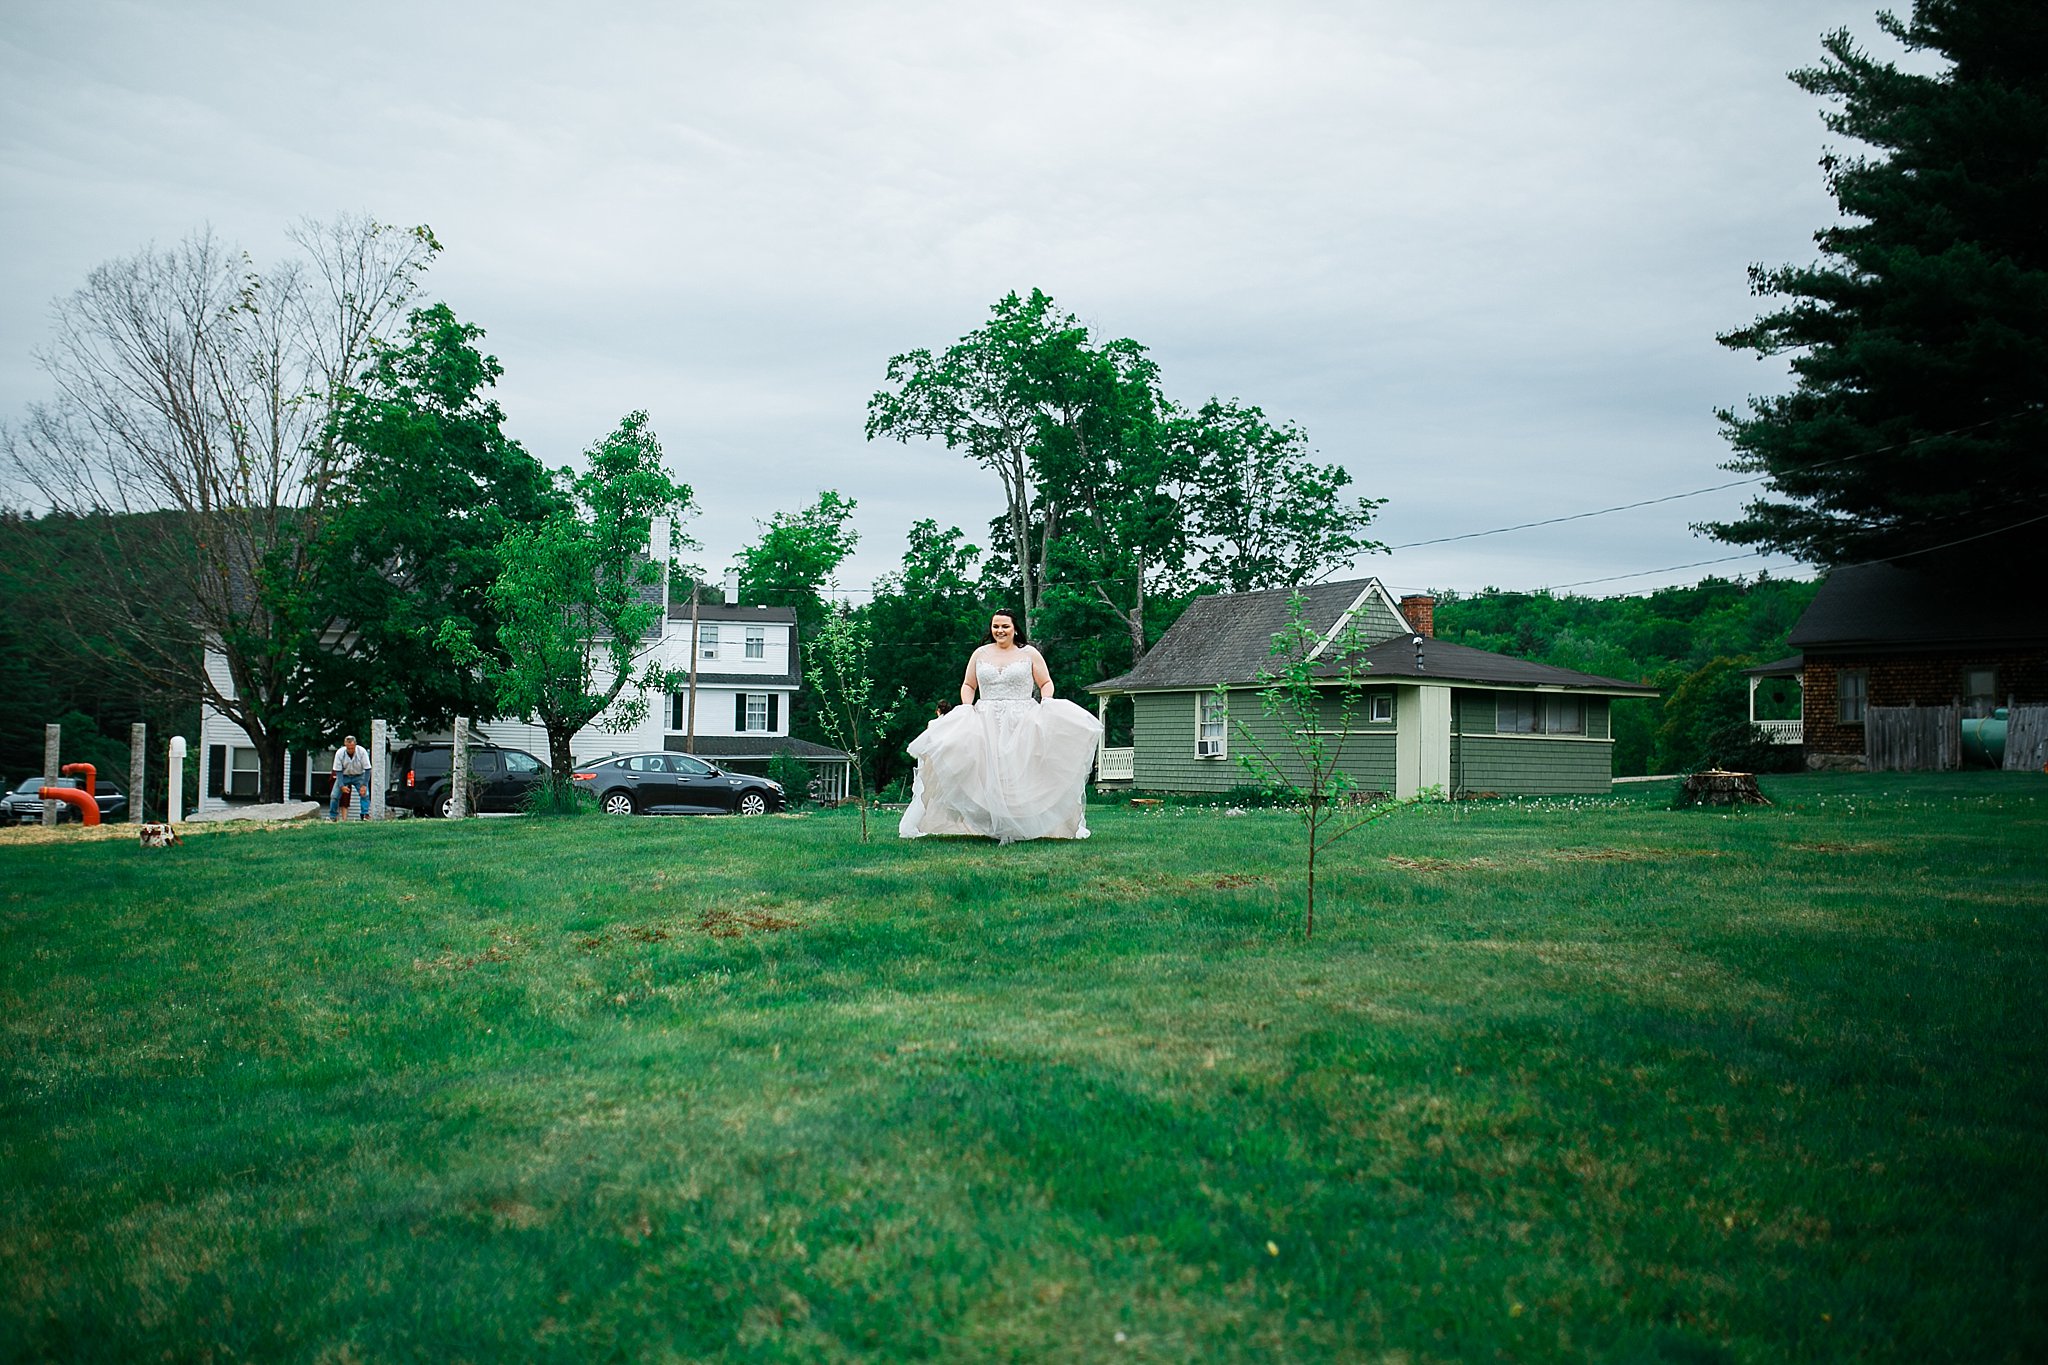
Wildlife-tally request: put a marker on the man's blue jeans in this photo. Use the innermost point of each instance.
(361, 782)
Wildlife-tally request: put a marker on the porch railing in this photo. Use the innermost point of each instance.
(1116, 765)
(1784, 731)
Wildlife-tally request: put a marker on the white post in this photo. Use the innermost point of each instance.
(53, 736)
(458, 771)
(174, 803)
(1752, 698)
(138, 768)
(380, 763)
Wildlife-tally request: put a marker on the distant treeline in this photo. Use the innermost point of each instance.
(49, 675)
(1690, 643)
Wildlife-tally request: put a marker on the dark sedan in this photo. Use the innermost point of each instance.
(23, 807)
(675, 784)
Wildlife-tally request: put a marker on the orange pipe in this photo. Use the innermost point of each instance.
(91, 776)
(72, 796)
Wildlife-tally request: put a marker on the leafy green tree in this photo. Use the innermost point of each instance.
(999, 394)
(924, 620)
(1262, 512)
(190, 383)
(1315, 694)
(577, 599)
(796, 556)
(1919, 342)
(1706, 724)
(1119, 505)
(431, 486)
(854, 712)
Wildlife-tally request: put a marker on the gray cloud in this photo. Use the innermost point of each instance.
(1478, 250)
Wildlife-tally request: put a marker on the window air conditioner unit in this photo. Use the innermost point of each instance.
(1208, 748)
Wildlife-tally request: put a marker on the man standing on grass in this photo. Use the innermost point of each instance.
(351, 769)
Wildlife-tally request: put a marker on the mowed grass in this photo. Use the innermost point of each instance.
(1555, 1080)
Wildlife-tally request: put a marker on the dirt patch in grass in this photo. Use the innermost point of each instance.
(1441, 864)
(507, 947)
(720, 923)
(733, 923)
(1830, 846)
(1562, 855)
(1143, 887)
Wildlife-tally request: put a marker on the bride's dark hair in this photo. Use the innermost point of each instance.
(1015, 620)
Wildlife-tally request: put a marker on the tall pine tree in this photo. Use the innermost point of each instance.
(1919, 342)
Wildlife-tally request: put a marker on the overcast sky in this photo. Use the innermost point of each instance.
(1478, 250)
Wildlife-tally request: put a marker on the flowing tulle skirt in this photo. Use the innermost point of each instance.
(1005, 770)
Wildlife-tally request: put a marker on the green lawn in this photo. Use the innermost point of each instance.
(1555, 1080)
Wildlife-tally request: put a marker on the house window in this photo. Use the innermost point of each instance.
(707, 642)
(1852, 692)
(1514, 715)
(1211, 726)
(757, 642)
(1539, 715)
(1381, 706)
(1980, 691)
(244, 772)
(1564, 716)
(757, 713)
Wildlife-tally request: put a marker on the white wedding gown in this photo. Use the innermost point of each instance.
(1009, 767)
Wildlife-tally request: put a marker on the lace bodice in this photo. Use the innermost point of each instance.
(1004, 682)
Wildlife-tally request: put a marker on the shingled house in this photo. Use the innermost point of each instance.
(1434, 715)
(1877, 635)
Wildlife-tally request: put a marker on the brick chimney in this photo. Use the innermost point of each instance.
(1421, 614)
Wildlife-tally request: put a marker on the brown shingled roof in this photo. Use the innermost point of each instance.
(1229, 639)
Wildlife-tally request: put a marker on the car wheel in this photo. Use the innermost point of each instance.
(753, 803)
(618, 803)
(445, 807)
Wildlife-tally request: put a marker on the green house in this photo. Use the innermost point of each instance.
(1433, 715)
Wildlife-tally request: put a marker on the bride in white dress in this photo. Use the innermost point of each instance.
(1001, 764)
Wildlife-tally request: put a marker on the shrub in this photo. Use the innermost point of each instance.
(559, 796)
(795, 775)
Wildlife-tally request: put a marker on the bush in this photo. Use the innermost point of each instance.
(795, 775)
(559, 796)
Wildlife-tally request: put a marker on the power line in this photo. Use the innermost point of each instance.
(1759, 554)
(1694, 493)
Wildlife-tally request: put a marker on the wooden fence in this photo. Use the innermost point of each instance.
(2026, 738)
(1913, 738)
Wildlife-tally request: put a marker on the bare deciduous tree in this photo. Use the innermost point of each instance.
(191, 425)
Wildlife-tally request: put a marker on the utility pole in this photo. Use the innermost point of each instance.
(690, 736)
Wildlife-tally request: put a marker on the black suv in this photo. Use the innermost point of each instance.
(674, 784)
(499, 779)
(23, 807)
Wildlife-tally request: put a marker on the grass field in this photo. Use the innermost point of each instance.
(1556, 1080)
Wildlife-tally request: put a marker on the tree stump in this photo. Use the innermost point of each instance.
(1715, 787)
